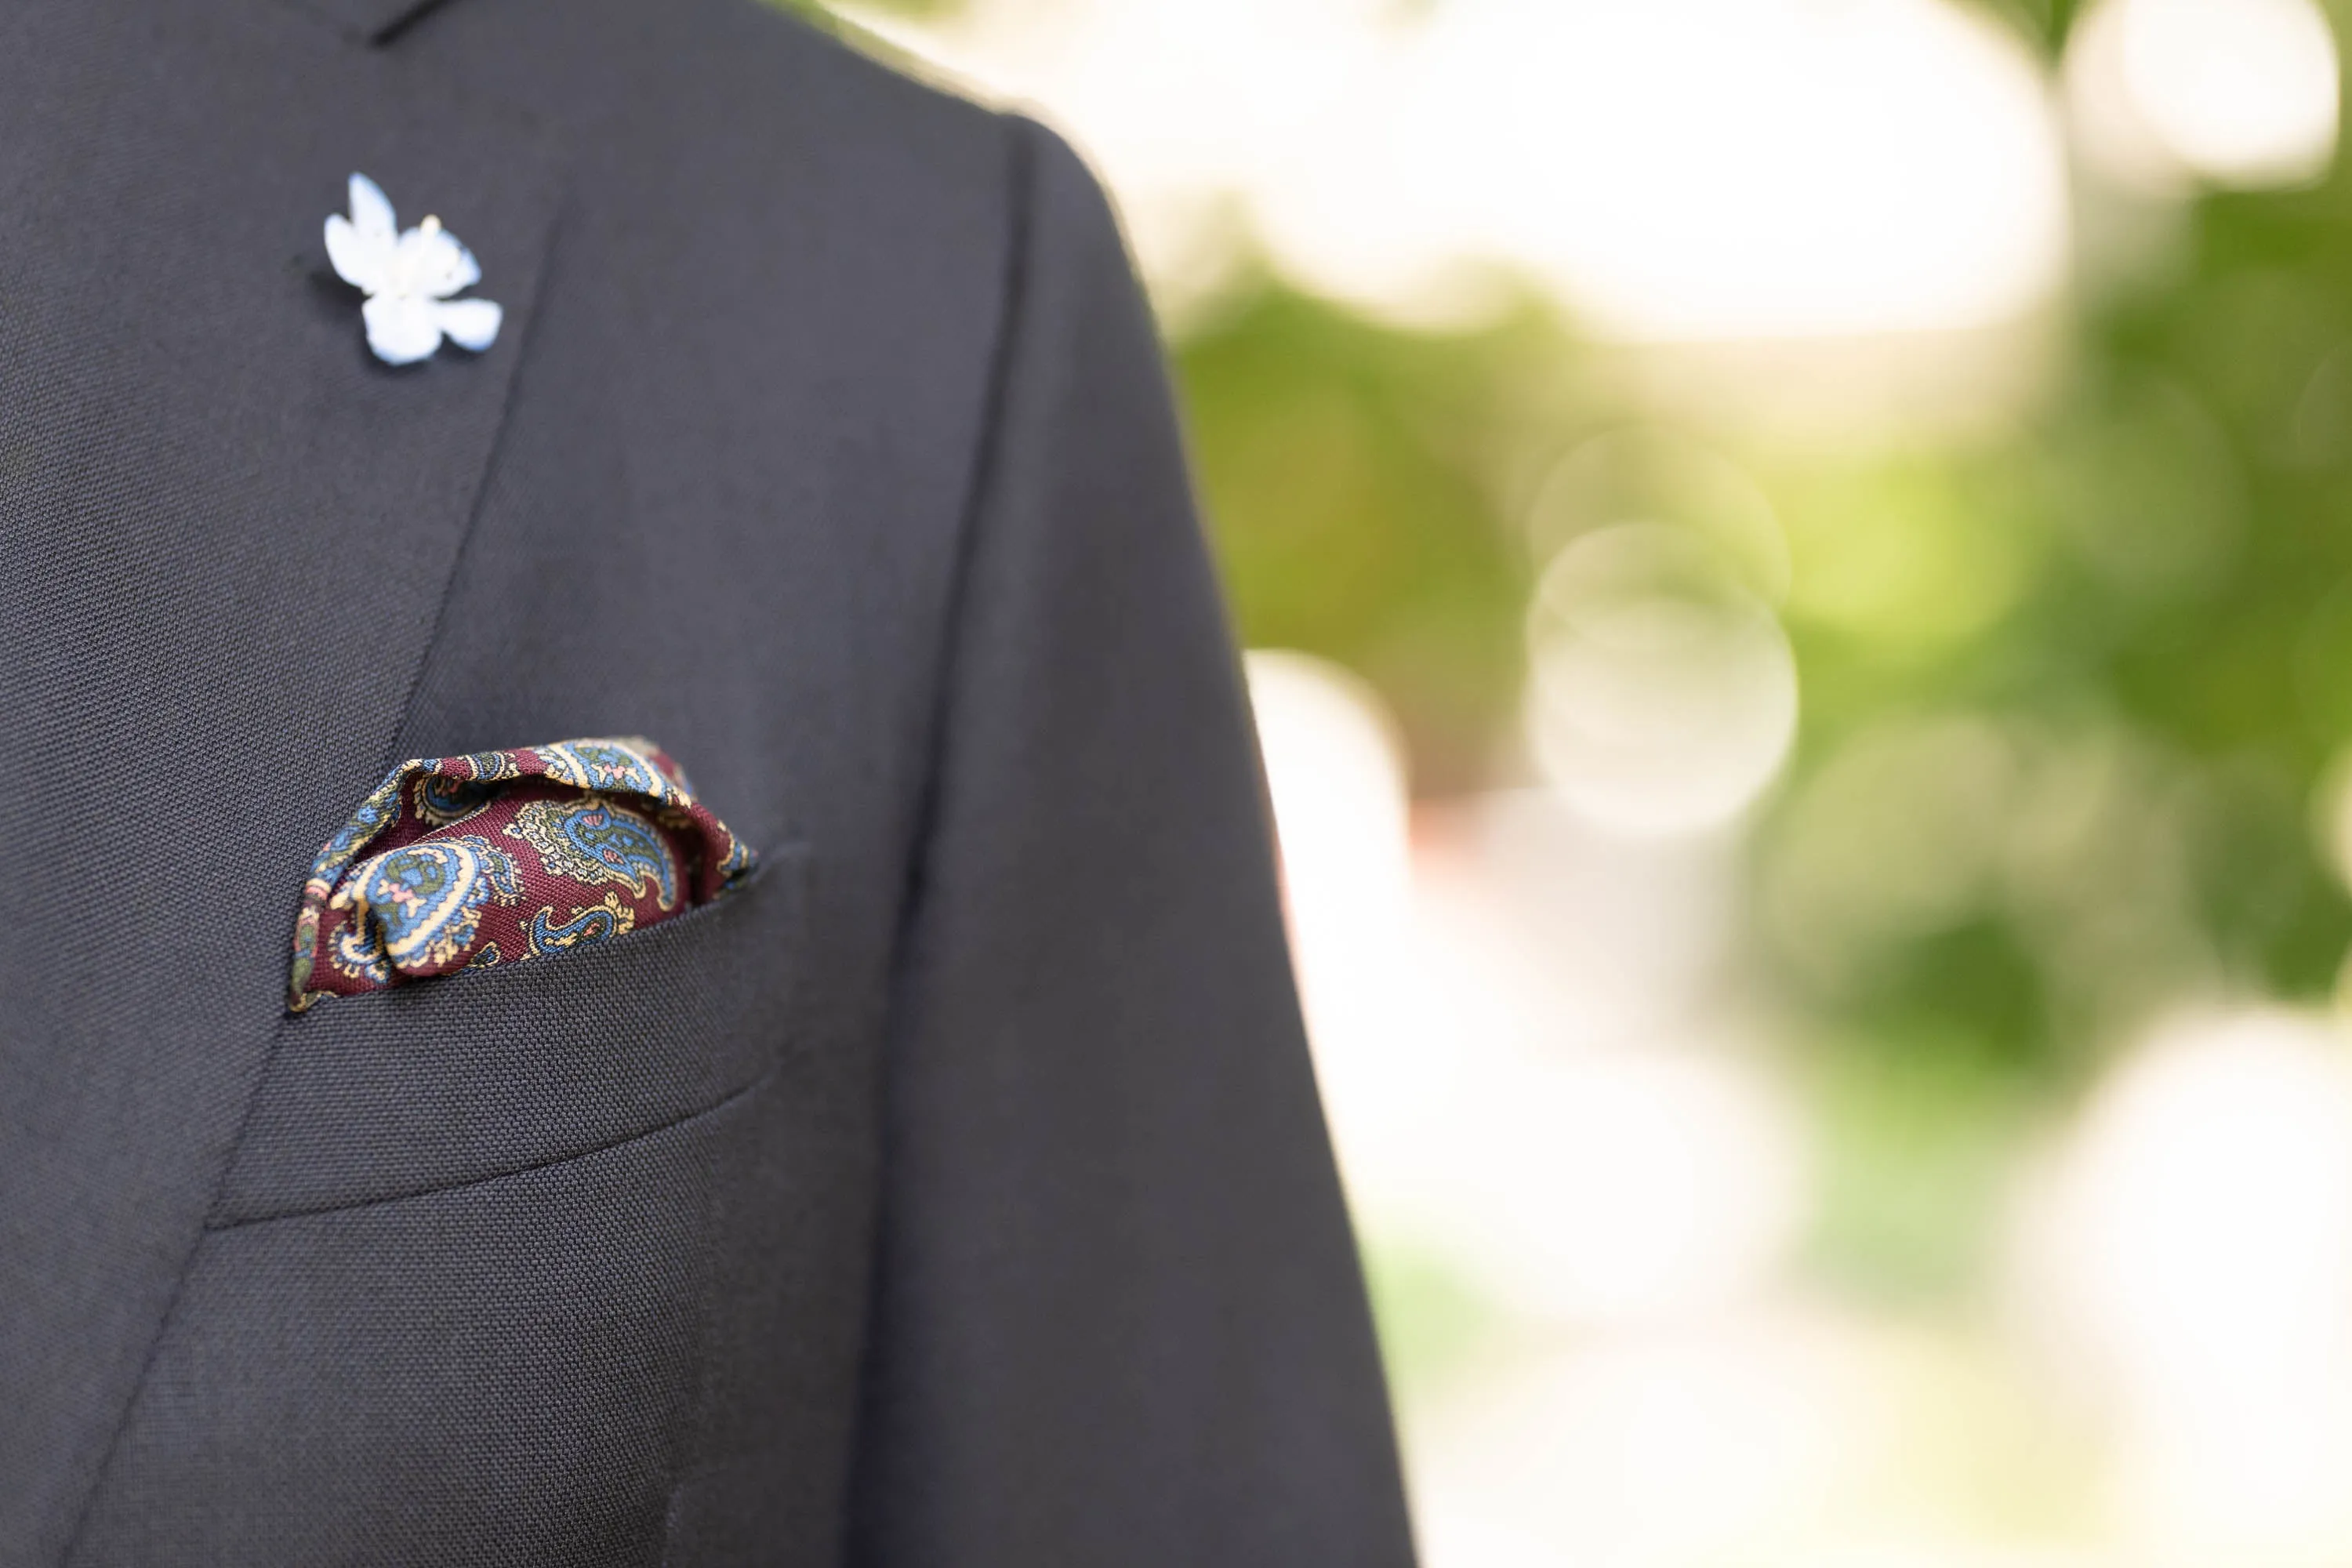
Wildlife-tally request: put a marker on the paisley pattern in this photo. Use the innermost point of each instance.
(599, 923)
(608, 765)
(592, 840)
(414, 909)
(441, 800)
(490, 766)
(496, 858)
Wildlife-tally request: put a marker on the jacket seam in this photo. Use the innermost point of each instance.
(1020, 216)
(1021, 180)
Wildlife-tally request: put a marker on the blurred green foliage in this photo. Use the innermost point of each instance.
(1433, 1322)
(1347, 472)
(2072, 688)
(2043, 23)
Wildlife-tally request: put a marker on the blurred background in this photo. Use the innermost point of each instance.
(1798, 562)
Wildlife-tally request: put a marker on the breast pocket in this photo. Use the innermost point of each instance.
(485, 1073)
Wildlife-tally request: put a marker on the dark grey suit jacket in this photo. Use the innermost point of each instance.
(955, 1194)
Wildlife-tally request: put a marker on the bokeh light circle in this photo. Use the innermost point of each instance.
(1663, 694)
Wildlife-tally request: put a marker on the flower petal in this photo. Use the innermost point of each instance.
(356, 262)
(371, 214)
(434, 263)
(401, 329)
(470, 324)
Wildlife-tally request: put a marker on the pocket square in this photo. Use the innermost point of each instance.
(500, 856)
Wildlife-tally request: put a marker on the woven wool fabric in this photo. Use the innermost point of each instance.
(498, 857)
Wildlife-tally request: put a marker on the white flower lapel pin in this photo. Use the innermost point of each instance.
(408, 279)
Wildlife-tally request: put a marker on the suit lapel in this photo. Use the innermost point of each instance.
(225, 535)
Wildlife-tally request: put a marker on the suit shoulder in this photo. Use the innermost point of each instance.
(771, 82)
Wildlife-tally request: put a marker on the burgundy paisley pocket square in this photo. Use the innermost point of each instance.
(499, 857)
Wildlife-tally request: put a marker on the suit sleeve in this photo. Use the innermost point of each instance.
(1118, 1316)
